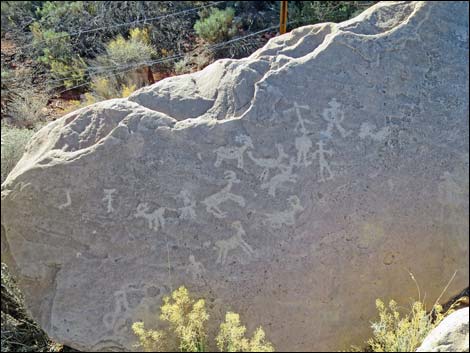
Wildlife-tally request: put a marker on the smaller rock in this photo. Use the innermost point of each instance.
(451, 335)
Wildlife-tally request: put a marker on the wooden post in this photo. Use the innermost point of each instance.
(283, 19)
(150, 75)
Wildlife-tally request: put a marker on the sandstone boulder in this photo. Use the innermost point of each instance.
(294, 186)
(451, 335)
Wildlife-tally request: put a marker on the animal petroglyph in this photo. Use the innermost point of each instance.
(188, 210)
(155, 219)
(324, 166)
(371, 131)
(230, 153)
(236, 241)
(68, 201)
(108, 198)
(285, 176)
(334, 116)
(195, 268)
(269, 163)
(212, 202)
(287, 217)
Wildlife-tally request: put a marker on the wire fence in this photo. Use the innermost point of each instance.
(125, 24)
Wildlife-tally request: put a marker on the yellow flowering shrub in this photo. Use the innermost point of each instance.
(395, 332)
(231, 337)
(186, 319)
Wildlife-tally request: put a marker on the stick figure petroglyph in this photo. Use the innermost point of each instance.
(155, 219)
(212, 202)
(324, 166)
(287, 217)
(303, 145)
(334, 116)
(451, 196)
(269, 163)
(108, 198)
(300, 126)
(121, 306)
(234, 242)
(68, 202)
(234, 152)
(195, 268)
(187, 211)
(285, 176)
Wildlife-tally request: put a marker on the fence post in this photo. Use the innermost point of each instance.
(283, 19)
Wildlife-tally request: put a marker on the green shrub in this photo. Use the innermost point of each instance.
(186, 319)
(217, 26)
(55, 51)
(311, 12)
(13, 142)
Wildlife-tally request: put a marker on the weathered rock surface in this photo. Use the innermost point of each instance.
(294, 186)
(451, 335)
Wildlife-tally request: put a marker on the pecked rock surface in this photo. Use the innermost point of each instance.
(294, 186)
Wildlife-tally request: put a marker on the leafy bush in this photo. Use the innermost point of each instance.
(311, 12)
(186, 319)
(55, 51)
(217, 26)
(13, 142)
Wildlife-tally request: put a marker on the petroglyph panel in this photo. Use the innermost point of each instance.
(346, 150)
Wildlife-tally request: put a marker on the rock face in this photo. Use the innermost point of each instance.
(294, 186)
(451, 335)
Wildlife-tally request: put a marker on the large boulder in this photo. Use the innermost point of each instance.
(451, 335)
(294, 186)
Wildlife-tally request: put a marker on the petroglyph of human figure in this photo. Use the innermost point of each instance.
(334, 116)
(155, 219)
(68, 201)
(285, 176)
(303, 145)
(371, 131)
(451, 196)
(300, 126)
(229, 153)
(108, 198)
(195, 268)
(269, 163)
(188, 210)
(303, 142)
(324, 166)
(236, 241)
(212, 202)
(287, 217)
(121, 307)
